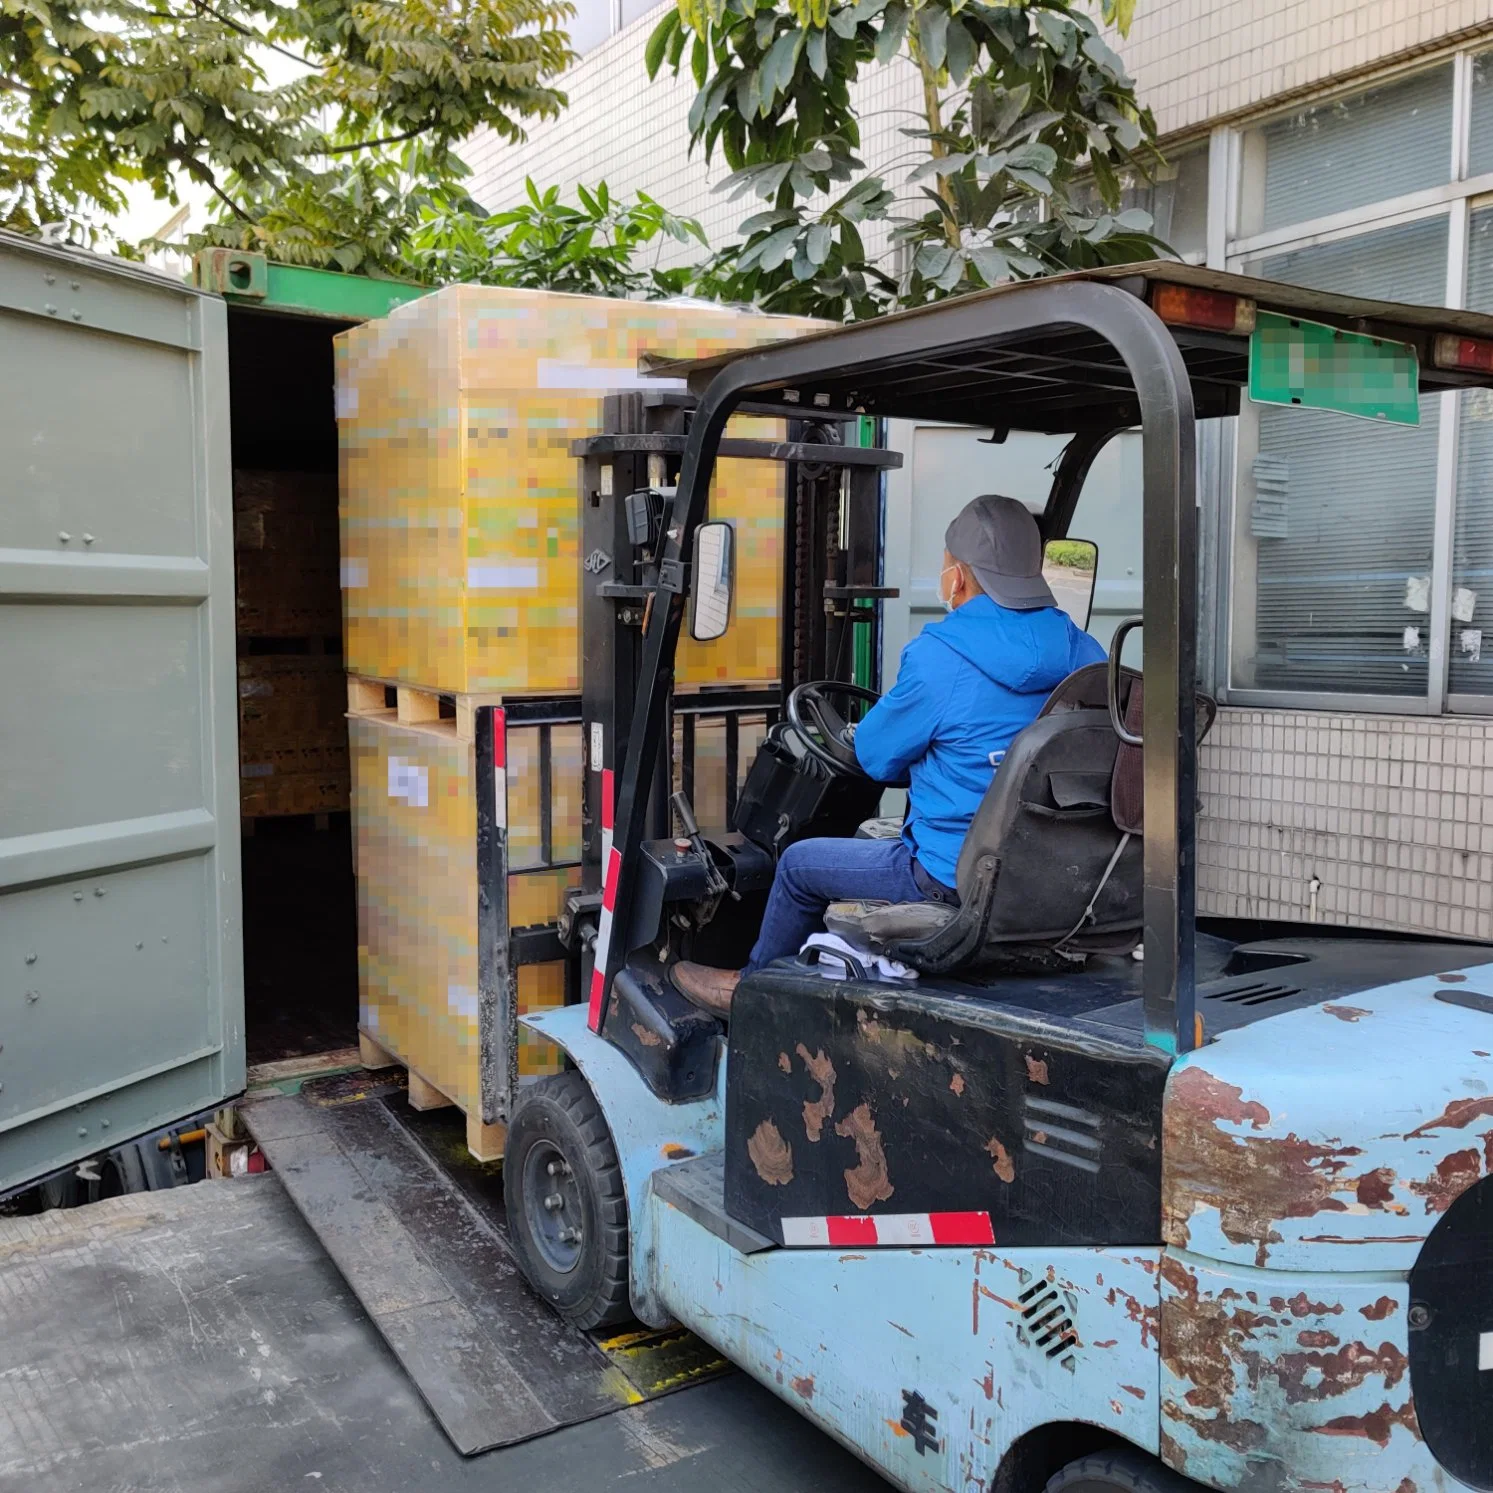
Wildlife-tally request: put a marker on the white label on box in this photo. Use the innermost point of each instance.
(462, 999)
(345, 401)
(409, 782)
(598, 377)
(597, 740)
(1464, 603)
(482, 577)
(1418, 593)
(1485, 1352)
(354, 574)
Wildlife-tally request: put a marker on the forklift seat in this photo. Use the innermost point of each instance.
(1050, 870)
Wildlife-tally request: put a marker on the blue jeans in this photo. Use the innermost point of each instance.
(814, 873)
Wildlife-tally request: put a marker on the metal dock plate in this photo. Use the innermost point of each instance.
(416, 1230)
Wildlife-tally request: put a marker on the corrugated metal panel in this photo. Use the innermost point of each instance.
(1354, 151)
(121, 1003)
(1344, 594)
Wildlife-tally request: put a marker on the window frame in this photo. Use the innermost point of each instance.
(1455, 199)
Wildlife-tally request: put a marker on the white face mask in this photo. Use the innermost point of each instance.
(948, 601)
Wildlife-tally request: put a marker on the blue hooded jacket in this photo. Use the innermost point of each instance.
(966, 686)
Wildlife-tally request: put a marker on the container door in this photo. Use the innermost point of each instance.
(121, 997)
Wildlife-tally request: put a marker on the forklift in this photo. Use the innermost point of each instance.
(1100, 1200)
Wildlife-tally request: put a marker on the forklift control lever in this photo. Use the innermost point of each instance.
(715, 883)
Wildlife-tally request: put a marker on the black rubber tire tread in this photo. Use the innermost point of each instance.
(563, 1109)
(1119, 1470)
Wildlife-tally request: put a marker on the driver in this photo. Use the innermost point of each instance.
(965, 687)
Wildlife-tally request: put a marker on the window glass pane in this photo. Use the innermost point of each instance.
(1471, 670)
(1176, 198)
(590, 25)
(632, 9)
(1338, 514)
(1358, 150)
(1480, 145)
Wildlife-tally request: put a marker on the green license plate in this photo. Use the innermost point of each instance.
(1315, 367)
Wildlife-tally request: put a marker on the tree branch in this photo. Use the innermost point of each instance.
(16, 87)
(249, 32)
(341, 150)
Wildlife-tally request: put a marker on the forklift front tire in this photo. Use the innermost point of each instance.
(567, 1211)
(1122, 1470)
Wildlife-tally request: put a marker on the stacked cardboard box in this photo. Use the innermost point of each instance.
(461, 576)
(292, 736)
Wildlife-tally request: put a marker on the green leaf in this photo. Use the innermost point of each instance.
(1034, 156)
(992, 265)
(893, 31)
(818, 242)
(932, 260)
(1135, 220)
(959, 51)
(1055, 31)
(843, 23)
(775, 249)
(699, 61)
(658, 41)
(760, 221)
(818, 53)
(933, 33)
(1033, 179)
(1096, 49)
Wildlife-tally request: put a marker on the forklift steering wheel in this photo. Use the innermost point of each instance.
(821, 727)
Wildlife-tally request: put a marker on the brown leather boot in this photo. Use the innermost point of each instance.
(709, 989)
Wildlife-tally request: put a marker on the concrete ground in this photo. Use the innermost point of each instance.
(200, 1341)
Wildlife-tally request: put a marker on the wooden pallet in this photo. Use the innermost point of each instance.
(485, 1142)
(412, 706)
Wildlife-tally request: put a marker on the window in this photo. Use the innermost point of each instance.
(1351, 152)
(1470, 658)
(1356, 570)
(591, 24)
(1176, 197)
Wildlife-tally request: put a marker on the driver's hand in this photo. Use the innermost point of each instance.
(848, 734)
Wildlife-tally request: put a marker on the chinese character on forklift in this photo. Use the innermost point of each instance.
(1026, 1211)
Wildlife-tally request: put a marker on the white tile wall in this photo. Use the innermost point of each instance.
(1199, 61)
(1393, 816)
(1195, 61)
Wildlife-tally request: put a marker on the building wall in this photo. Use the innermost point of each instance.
(1391, 816)
(1196, 62)
(1199, 62)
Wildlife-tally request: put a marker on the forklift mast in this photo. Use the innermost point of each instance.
(830, 586)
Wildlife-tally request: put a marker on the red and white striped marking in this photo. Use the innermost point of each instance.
(888, 1230)
(604, 938)
(500, 767)
(608, 787)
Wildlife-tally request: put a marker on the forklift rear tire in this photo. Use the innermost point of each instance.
(567, 1211)
(1122, 1470)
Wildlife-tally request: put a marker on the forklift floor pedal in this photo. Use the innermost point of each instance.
(431, 1267)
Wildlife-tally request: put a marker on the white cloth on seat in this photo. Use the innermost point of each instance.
(835, 954)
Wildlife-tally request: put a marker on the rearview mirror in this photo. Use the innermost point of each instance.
(1069, 567)
(711, 589)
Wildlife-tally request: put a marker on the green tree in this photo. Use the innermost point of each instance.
(377, 95)
(1030, 128)
(597, 246)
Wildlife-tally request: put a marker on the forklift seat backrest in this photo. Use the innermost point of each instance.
(1051, 866)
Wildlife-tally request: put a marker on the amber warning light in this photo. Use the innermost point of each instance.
(1474, 354)
(1205, 310)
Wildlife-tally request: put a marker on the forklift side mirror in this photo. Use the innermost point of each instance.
(1069, 566)
(713, 575)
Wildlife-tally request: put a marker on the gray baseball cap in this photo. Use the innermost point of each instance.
(999, 540)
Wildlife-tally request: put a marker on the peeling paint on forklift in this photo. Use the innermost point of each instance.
(1307, 1159)
(1309, 1143)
